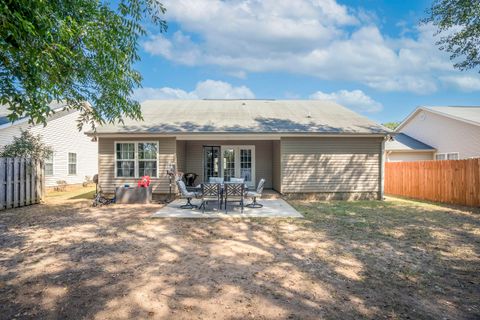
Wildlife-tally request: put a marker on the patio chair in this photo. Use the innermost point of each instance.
(190, 178)
(211, 191)
(234, 192)
(256, 194)
(215, 180)
(237, 180)
(185, 194)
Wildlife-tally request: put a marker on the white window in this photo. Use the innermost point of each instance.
(136, 159)
(72, 163)
(452, 156)
(447, 156)
(49, 165)
(147, 159)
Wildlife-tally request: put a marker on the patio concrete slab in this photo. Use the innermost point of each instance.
(272, 208)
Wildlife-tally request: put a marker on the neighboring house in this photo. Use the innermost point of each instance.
(299, 147)
(75, 155)
(401, 147)
(437, 133)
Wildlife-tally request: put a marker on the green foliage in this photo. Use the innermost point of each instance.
(458, 23)
(72, 51)
(27, 145)
(391, 125)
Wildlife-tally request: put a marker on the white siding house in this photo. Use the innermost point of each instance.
(450, 132)
(75, 155)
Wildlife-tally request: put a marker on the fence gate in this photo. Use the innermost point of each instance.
(22, 182)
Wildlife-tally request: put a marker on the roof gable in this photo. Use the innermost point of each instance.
(469, 115)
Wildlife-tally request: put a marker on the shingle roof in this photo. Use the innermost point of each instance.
(4, 112)
(403, 142)
(470, 114)
(246, 116)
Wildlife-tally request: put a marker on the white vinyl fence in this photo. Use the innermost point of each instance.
(22, 182)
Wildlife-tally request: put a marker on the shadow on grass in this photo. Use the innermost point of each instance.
(346, 260)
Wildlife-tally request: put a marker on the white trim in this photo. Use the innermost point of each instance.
(53, 166)
(446, 154)
(68, 164)
(410, 150)
(237, 149)
(136, 160)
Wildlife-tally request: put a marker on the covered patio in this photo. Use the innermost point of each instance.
(251, 160)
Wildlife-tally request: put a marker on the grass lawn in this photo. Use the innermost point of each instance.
(349, 260)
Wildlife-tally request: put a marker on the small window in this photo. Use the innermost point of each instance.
(72, 163)
(447, 156)
(147, 159)
(125, 153)
(452, 156)
(49, 165)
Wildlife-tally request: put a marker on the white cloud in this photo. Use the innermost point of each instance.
(312, 37)
(356, 100)
(208, 89)
(464, 83)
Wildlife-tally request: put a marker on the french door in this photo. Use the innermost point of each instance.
(238, 162)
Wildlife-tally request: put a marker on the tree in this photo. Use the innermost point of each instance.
(391, 125)
(458, 24)
(27, 145)
(72, 51)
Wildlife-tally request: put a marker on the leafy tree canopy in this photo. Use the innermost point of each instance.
(458, 23)
(391, 125)
(72, 51)
(27, 145)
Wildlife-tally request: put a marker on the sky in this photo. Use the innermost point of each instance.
(372, 56)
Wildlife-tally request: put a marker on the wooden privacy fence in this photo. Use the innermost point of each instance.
(22, 182)
(449, 181)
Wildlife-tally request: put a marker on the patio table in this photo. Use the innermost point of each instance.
(198, 188)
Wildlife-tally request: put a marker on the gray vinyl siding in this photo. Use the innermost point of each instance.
(263, 157)
(181, 156)
(276, 166)
(330, 165)
(106, 164)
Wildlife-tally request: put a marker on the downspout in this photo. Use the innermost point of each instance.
(381, 194)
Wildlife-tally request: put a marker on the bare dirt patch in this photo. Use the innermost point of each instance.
(348, 260)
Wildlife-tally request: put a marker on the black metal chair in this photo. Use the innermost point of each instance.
(234, 192)
(185, 194)
(256, 194)
(211, 191)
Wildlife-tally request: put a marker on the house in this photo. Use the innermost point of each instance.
(75, 155)
(401, 147)
(301, 148)
(436, 133)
